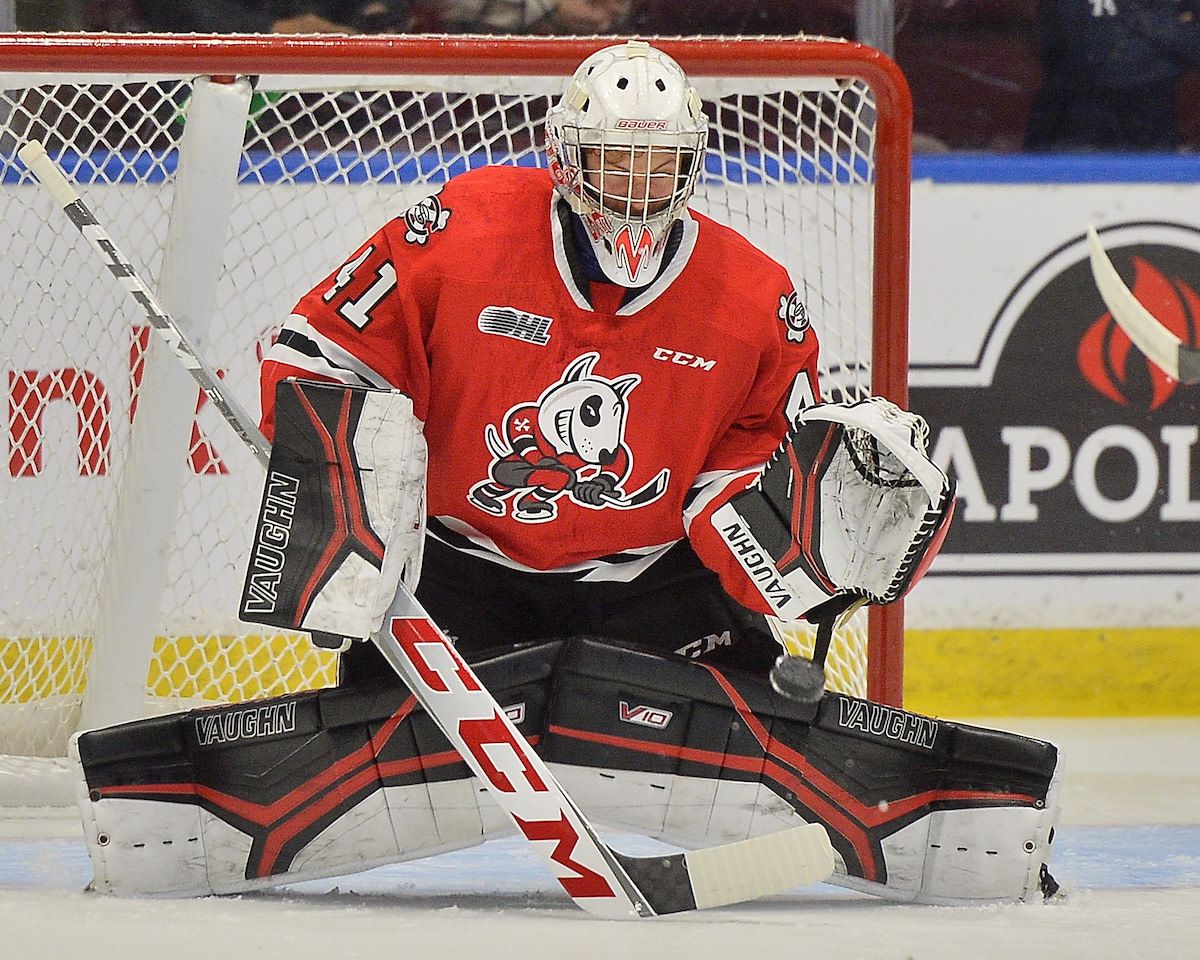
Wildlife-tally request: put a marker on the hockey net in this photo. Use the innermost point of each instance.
(126, 535)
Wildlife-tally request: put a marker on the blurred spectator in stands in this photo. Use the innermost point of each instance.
(114, 16)
(737, 18)
(521, 16)
(1112, 68)
(255, 16)
(49, 15)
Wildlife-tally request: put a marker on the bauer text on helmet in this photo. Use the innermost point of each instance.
(626, 145)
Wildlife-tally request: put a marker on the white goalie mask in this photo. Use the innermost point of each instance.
(625, 145)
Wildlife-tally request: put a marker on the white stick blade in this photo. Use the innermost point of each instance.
(1143, 328)
(761, 866)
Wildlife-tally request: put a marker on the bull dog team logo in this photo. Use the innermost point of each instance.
(794, 315)
(569, 443)
(424, 218)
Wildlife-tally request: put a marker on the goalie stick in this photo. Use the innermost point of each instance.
(1177, 359)
(598, 878)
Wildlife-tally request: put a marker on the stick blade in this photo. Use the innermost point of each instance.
(1165, 350)
(732, 872)
(761, 866)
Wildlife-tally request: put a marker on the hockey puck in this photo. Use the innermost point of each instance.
(798, 678)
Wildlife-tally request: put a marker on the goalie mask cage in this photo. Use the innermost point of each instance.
(235, 172)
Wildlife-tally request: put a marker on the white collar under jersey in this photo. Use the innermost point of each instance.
(576, 281)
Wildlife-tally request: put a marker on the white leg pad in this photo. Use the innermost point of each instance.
(953, 857)
(947, 857)
(147, 847)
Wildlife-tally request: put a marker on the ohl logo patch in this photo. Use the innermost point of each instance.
(569, 443)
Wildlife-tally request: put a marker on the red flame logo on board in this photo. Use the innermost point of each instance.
(1105, 350)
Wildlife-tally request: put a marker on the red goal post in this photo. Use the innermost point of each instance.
(235, 171)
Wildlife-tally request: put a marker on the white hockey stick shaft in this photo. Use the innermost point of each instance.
(598, 878)
(1177, 359)
(34, 156)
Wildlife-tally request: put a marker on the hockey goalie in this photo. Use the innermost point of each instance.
(582, 422)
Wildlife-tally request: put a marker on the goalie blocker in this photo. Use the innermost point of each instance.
(331, 782)
(343, 512)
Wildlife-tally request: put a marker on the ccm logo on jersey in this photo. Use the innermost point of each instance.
(697, 648)
(667, 355)
(645, 716)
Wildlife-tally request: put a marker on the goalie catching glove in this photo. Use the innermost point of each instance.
(343, 511)
(849, 505)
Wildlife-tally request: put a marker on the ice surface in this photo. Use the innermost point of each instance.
(1127, 854)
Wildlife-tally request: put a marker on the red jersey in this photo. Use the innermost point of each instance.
(569, 423)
